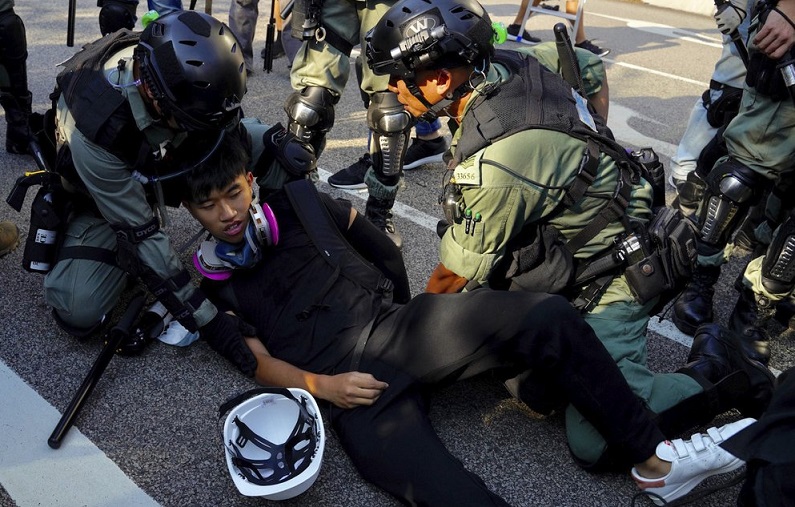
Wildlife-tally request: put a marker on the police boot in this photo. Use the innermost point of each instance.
(719, 356)
(748, 320)
(379, 213)
(18, 111)
(694, 305)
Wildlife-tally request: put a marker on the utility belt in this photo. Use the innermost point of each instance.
(307, 24)
(50, 213)
(656, 260)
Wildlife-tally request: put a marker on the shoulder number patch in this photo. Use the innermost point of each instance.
(467, 175)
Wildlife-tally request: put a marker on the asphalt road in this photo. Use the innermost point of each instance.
(150, 434)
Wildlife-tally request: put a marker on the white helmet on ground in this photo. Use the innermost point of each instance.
(274, 440)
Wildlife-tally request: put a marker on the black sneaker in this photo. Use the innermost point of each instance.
(513, 34)
(593, 48)
(424, 151)
(352, 177)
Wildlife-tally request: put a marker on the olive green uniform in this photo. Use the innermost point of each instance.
(83, 290)
(520, 180)
(322, 64)
(762, 137)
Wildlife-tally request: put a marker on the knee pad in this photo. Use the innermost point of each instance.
(732, 188)
(778, 268)
(116, 14)
(310, 114)
(390, 124)
(711, 153)
(690, 193)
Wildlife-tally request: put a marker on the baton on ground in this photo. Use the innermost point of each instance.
(118, 333)
(569, 67)
(267, 64)
(70, 23)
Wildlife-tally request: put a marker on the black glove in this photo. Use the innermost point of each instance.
(226, 335)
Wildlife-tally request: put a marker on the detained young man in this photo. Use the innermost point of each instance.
(334, 317)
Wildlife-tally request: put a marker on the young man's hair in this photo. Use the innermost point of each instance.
(228, 162)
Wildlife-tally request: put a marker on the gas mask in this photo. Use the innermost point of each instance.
(217, 259)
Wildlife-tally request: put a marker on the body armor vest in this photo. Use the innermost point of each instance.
(549, 104)
(101, 112)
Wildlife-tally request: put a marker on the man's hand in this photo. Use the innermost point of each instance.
(352, 389)
(778, 33)
(729, 17)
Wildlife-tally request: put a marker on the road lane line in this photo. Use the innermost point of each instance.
(33, 474)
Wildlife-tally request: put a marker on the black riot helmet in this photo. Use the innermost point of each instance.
(194, 66)
(419, 34)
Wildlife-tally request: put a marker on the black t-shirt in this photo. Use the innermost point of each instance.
(305, 312)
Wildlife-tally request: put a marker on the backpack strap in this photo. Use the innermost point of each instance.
(335, 249)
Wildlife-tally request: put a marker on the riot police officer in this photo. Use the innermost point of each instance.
(319, 74)
(135, 111)
(760, 146)
(544, 199)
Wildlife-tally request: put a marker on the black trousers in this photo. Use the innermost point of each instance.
(437, 339)
(768, 448)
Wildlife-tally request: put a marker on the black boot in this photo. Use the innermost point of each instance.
(18, 111)
(694, 306)
(749, 323)
(720, 356)
(746, 233)
(379, 213)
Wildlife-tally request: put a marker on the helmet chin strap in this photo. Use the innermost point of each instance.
(478, 76)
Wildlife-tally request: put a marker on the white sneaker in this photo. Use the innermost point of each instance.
(692, 461)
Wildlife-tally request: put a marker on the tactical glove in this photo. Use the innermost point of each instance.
(729, 17)
(226, 335)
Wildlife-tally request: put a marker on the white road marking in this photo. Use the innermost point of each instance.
(668, 31)
(33, 474)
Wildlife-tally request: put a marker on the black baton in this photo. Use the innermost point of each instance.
(569, 67)
(270, 36)
(119, 332)
(70, 23)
